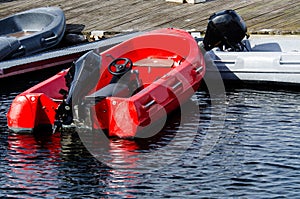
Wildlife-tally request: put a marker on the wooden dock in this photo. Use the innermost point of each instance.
(261, 16)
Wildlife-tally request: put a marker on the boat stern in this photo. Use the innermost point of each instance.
(30, 111)
(123, 118)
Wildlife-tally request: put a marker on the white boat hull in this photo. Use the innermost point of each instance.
(272, 59)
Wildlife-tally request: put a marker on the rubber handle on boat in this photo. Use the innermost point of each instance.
(49, 40)
(149, 104)
(175, 86)
(200, 69)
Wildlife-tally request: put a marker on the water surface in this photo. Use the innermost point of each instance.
(254, 154)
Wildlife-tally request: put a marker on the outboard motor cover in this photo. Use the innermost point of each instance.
(225, 29)
(81, 78)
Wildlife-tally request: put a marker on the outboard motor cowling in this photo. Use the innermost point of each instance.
(81, 78)
(225, 30)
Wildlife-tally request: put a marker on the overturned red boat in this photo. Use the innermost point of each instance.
(122, 90)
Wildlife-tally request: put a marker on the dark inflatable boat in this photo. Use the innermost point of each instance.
(31, 31)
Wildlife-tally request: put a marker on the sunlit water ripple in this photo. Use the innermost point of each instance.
(255, 154)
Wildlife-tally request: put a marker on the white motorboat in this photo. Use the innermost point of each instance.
(268, 59)
(271, 59)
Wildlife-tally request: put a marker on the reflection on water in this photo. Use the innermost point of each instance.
(255, 155)
(146, 154)
(32, 164)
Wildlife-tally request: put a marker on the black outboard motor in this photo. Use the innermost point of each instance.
(84, 77)
(225, 30)
(81, 78)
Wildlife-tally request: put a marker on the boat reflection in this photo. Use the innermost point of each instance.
(57, 164)
(25, 149)
(115, 154)
(31, 160)
(144, 154)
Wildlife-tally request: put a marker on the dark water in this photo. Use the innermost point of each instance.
(254, 153)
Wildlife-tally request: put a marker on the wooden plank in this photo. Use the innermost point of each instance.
(115, 15)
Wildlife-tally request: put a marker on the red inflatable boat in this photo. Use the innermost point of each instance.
(122, 90)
